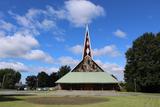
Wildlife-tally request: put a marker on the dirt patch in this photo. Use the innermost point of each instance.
(65, 100)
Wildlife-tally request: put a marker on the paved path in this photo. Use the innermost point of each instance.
(86, 93)
(63, 93)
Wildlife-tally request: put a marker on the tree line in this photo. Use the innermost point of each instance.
(142, 70)
(45, 80)
(9, 78)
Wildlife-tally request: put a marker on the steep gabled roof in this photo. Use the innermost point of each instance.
(91, 66)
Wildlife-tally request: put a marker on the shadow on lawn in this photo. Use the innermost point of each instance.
(11, 97)
(8, 98)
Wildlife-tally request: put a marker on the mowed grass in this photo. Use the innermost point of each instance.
(130, 100)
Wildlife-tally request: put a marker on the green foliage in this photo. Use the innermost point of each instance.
(63, 70)
(143, 64)
(31, 81)
(52, 79)
(9, 77)
(43, 79)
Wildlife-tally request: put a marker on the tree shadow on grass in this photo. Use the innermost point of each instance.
(8, 99)
(12, 97)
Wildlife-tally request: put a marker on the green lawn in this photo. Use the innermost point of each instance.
(131, 100)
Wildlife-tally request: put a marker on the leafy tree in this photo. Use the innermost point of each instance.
(53, 78)
(63, 70)
(9, 77)
(31, 81)
(142, 70)
(43, 79)
(17, 77)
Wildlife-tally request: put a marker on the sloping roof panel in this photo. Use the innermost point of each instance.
(87, 77)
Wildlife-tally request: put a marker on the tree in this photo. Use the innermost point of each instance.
(31, 81)
(63, 70)
(43, 79)
(142, 70)
(9, 77)
(53, 78)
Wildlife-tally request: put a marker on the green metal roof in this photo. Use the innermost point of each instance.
(87, 77)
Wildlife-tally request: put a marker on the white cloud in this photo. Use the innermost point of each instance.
(77, 49)
(2, 33)
(16, 45)
(6, 26)
(22, 42)
(21, 67)
(48, 23)
(14, 65)
(78, 12)
(22, 45)
(38, 55)
(48, 70)
(112, 68)
(36, 20)
(119, 33)
(66, 60)
(81, 12)
(109, 50)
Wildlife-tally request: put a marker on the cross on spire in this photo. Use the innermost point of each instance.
(87, 45)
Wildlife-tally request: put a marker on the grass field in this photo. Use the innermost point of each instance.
(47, 100)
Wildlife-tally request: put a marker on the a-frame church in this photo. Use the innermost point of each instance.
(88, 75)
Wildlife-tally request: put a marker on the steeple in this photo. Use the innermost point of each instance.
(87, 45)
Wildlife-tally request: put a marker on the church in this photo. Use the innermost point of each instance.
(88, 75)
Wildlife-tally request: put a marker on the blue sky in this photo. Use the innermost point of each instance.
(42, 35)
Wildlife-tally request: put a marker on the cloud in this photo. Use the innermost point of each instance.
(22, 45)
(81, 12)
(16, 45)
(108, 50)
(14, 65)
(112, 68)
(77, 49)
(38, 20)
(119, 33)
(6, 26)
(77, 12)
(21, 67)
(38, 55)
(67, 60)
(19, 40)
(48, 23)
(48, 70)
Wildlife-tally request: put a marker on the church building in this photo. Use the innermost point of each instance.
(88, 75)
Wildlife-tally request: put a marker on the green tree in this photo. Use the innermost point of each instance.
(31, 81)
(9, 77)
(43, 79)
(63, 70)
(142, 70)
(53, 78)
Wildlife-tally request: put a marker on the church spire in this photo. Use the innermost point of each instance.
(87, 45)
